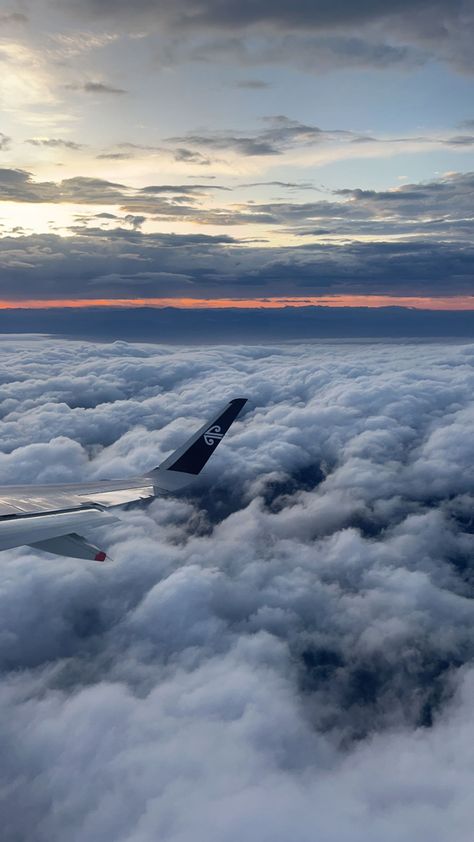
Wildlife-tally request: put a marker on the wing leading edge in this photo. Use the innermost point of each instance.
(47, 517)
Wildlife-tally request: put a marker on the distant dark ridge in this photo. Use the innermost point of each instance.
(172, 325)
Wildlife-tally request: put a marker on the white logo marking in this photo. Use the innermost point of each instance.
(213, 435)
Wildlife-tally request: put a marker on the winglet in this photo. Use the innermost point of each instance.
(188, 461)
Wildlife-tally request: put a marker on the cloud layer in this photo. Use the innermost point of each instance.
(126, 264)
(283, 653)
(415, 239)
(372, 33)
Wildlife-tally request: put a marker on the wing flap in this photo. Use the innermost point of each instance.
(33, 528)
(72, 545)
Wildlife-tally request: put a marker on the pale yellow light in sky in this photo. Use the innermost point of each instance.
(24, 80)
(42, 218)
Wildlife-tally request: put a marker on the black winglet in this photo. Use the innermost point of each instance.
(193, 455)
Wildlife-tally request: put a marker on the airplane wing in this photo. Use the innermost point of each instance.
(48, 517)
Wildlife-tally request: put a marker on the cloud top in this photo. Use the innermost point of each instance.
(286, 650)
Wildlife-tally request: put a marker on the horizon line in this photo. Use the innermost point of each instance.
(448, 303)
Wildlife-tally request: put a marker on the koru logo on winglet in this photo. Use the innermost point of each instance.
(213, 435)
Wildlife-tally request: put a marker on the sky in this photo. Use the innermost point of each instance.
(283, 652)
(270, 153)
(280, 194)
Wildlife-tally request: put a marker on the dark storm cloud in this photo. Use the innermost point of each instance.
(286, 650)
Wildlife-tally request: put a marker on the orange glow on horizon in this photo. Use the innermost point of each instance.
(455, 302)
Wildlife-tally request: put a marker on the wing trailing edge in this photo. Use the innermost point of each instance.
(72, 545)
(31, 529)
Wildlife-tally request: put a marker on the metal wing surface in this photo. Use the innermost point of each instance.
(48, 516)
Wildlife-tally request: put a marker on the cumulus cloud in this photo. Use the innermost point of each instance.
(285, 650)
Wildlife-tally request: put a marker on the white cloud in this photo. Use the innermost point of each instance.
(282, 653)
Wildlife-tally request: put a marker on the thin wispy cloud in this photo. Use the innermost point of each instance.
(96, 88)
(54, 143)
(252, 84)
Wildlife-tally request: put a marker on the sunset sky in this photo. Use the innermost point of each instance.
(266, 202)
(263, 151)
